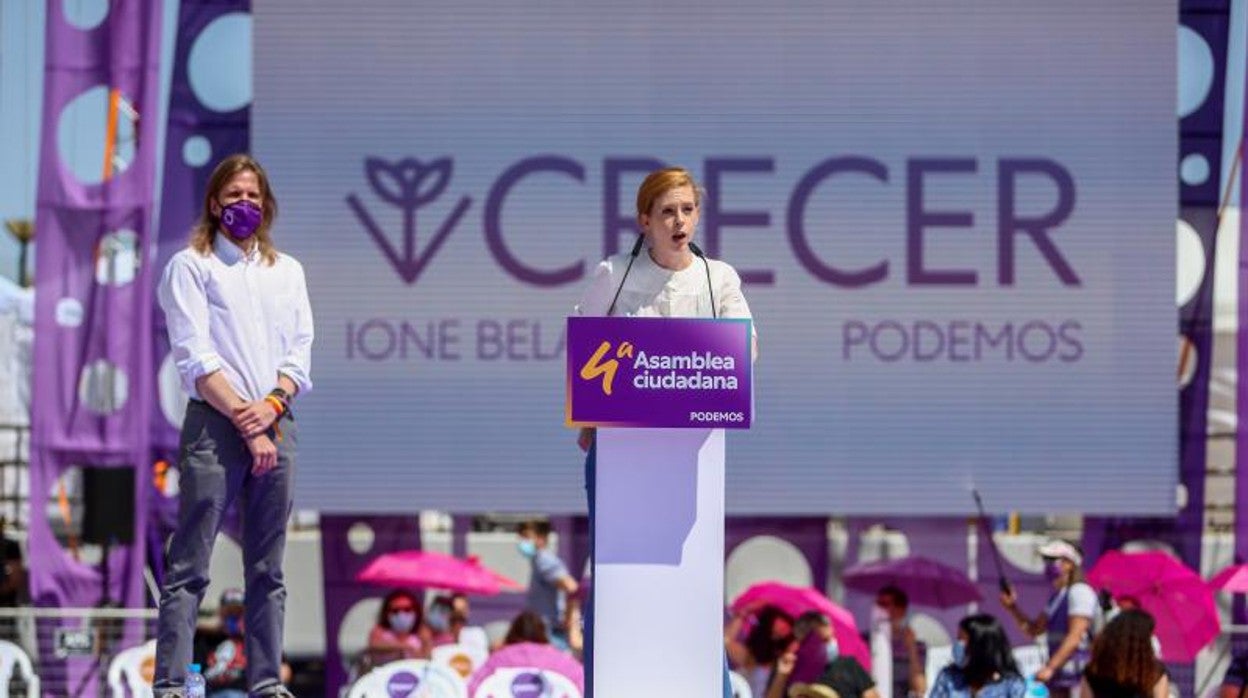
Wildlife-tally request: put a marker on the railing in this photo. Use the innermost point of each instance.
(72, 649)
(14, 473)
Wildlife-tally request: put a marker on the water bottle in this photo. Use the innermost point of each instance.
(195, 686)
(1036, 689)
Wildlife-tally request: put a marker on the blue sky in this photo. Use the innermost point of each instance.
(22, 24)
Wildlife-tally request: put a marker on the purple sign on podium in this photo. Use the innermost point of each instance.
(659, 372)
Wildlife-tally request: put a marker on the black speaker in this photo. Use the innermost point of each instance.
(108, 505)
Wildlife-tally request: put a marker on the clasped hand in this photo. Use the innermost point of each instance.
(253, 421)
(254, 418)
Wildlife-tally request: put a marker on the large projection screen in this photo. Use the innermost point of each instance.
(955, 220)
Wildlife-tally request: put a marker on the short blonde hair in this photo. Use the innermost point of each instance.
(660, 182)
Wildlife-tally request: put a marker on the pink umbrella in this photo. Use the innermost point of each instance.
(425, 568)
(529, 655)
(926, 581)
(1178, 599)
(797, 600)
(1233, 579)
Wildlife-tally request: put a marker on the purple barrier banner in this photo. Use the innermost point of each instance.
(646, 372)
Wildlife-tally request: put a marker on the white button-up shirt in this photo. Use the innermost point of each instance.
(231, 312)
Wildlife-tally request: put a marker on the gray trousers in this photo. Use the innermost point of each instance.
(215, 469)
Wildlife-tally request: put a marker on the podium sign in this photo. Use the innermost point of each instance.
(661, 391)
(659, 372)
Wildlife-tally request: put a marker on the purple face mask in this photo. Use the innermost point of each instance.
(1053, 570)
(241, 219)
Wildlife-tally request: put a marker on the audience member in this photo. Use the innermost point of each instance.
(399, 632)
(1124, 663)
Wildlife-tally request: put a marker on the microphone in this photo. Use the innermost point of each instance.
(697, 251)
(632, 257)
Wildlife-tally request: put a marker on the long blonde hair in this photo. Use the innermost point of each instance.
(204, 234)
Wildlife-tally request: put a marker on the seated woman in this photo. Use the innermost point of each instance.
(446, 617)
(983, 665)
(399, 632)
(814, 666)
(1124, 663)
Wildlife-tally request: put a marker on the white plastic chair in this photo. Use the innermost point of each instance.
(462, 659)
(410, 678)
(553, 684)
(126, 671)
(740, 686)
(937, 658)
(475, 636)
(11, 657)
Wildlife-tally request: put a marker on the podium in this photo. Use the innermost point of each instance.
(661, 392)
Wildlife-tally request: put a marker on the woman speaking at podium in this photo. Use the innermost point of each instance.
(665, 275)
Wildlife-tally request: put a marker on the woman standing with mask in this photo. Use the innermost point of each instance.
(1067, 618)
(983, 665)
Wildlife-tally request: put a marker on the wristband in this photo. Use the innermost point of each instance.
(277, 404)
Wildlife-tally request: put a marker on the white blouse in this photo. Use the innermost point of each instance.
(652, 291)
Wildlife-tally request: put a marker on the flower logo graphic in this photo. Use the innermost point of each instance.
(596, 367)
(408, 185)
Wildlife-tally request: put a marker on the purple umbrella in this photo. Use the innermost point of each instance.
(927, 582)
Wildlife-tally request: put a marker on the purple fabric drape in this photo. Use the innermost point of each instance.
(93, 369)
(182, 191)
(99, 324)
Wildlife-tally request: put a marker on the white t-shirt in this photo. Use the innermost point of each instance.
(1083, 601)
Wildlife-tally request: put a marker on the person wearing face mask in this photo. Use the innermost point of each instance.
(983, 664)
(220, 648)
(550, 584)
(240, 332)
(813, 663)
(664, 275)
(399, 632)
(1067, 620)
(447, 615)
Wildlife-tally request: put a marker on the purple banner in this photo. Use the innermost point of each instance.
(646, 372)
(93, 368)
(1202, 26)
(1241, 360)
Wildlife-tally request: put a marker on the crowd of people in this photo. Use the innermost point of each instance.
(406, 629)
(1101, 650)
